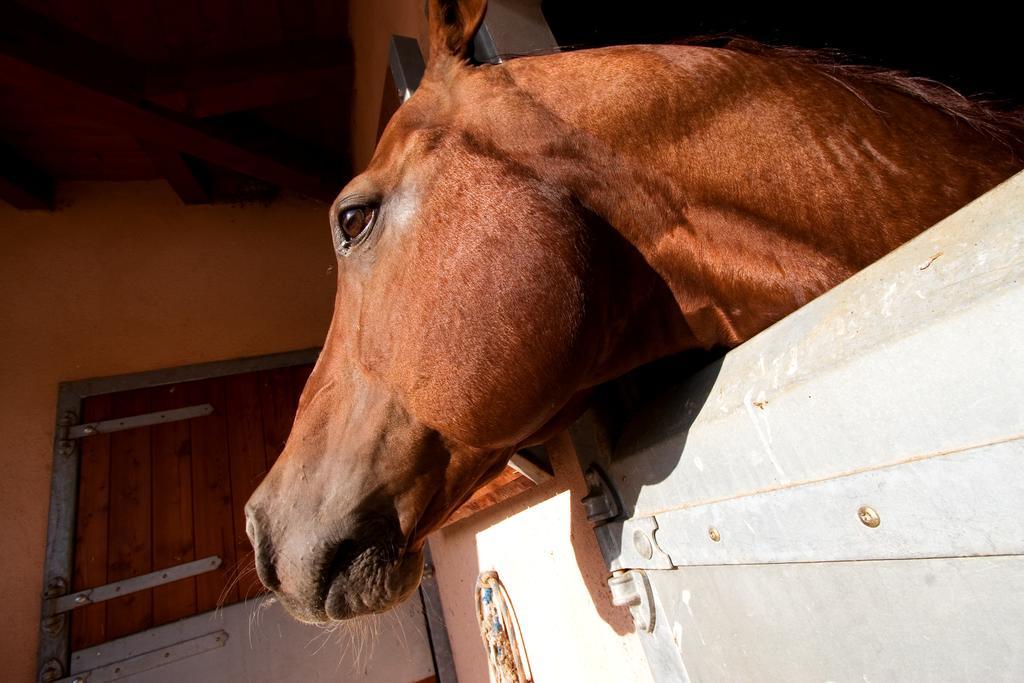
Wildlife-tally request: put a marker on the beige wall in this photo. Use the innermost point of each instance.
(126, 279)
(371, 24)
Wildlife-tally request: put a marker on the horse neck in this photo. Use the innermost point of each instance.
(748, 185)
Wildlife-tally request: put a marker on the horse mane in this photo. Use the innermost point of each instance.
(990, 118)
(987, 117)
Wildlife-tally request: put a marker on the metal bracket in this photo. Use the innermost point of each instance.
(407, 65)
(601, 503)
(512, 28)
(532, 464)
(640, 547)
(144, 420)
(152, 659)
(632, 589)
(66, 603)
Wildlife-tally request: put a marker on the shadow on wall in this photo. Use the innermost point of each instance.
(622, 418)
(545, 550)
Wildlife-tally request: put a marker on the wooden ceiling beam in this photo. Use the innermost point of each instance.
(254, 80)
(180, 174)
(85, 80)
(315, 180)
(22, 185)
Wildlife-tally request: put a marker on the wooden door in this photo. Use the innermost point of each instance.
(151, 498)
(154, 497)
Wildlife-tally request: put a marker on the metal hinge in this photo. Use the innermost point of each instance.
(632, 589)
(65, 446)
(601, 503)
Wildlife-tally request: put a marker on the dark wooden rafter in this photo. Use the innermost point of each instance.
(22, 185)
(34, 58)
(252, 80)
(180, 173)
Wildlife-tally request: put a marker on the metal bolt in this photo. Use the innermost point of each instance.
(643, 544)
(89, 430)
(77, 679)
(81, 599)
(868, 516)
(713, 534)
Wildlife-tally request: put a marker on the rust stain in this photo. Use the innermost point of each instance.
(931, 260)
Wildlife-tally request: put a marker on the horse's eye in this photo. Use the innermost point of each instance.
(354, 221)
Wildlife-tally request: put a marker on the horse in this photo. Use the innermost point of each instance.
(529, 230)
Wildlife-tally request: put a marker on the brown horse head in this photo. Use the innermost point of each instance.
(528, 230)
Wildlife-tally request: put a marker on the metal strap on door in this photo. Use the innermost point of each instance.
(91, 596)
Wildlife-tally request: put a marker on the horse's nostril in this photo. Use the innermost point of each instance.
(264, 552)
(250, 529)
(344, 553)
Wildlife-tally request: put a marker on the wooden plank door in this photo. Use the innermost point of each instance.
(156, 497)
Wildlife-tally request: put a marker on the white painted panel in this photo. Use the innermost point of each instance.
(268, 645)
(968, 503)
(920, 353)
(902, 389)
(904, 620)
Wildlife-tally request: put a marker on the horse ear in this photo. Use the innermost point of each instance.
(453, 23)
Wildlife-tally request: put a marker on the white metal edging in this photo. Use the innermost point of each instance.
(964, 504)
(151, 660)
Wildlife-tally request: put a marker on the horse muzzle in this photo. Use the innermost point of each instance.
(344, 575)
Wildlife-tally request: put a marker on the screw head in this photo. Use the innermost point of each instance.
(643, 544)
(713, 534)
(868, 516)
(81, 599)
